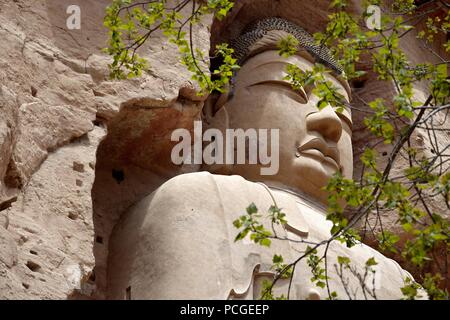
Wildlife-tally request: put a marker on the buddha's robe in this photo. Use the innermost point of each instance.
(178, 243)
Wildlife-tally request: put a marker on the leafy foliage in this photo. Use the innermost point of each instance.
(393, 122)
(131, 24)
(319, 272)
(250, 224)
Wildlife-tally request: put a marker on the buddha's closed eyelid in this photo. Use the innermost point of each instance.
(284, 86)
(308, 90)
(345, 120)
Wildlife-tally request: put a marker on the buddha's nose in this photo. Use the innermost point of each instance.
(326, 122)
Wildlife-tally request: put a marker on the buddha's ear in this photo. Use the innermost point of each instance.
(208, 107)
(213, 105)
(216, 119)
(223, 98)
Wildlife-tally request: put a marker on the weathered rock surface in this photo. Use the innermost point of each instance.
(51, 224)
(56, 101)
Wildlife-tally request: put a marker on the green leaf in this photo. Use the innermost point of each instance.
(237, 223)
(343, 260)
(266, 242)
(277, 259)
(252, 209)
(371, 262)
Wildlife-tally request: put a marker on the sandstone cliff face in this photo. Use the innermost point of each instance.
(56, 102)
(77, 150)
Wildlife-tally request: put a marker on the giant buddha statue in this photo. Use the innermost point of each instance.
(178, 242)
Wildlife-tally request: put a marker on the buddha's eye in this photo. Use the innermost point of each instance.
(345, 120)
(308, 90)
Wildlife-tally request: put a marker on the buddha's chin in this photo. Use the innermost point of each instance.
(312, 173)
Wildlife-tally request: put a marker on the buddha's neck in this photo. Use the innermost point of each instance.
(304, 197)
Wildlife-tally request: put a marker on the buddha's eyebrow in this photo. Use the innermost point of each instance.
(285, 85)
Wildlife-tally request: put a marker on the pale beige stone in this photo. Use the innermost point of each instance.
(52, 222)
(312, 145)
(44, 128)
(159, 247)
(171, 235)
(4, 220)
(8, 248)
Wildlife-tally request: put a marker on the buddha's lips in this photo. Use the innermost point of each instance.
(319, 148)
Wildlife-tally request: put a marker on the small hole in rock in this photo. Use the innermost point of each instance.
(384, 154)
(33, 91)
(23, 239)
(99, 121)
(358, 83)
(33, 266)
(92, 276)
(25, 285)
(73, 216)
(118, 175)
(78, 166)
(99, 239)
(33, 252)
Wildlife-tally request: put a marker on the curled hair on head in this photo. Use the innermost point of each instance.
(247, 43)
(266, 34)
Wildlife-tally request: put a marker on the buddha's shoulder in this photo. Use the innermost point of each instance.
(201, 183)
(201, 188)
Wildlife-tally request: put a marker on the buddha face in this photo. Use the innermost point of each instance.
(313, 144)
